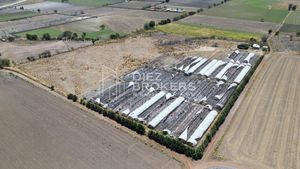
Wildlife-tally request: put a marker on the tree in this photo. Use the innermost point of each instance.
(298, 34)
(102, 27)
(55, 11)
(46, 36)
(167, 1)
(277, 33)
(151, 24)
(290, 7)
(4, 63)
(294, 7)
(146, 26)
(39, 11)
(74, 36)
(270, 31)
(31, 37)
(83, 35)
(67, 34)
(72, 97)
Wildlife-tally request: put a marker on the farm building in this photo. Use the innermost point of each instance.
(183, 100)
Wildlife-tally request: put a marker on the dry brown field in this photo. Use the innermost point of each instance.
(41, 130)
(86, 69)
(265, 131)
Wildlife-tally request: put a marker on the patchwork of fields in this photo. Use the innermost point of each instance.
(251, 10)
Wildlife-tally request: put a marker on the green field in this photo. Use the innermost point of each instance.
(103, 34)
(200, 31)
(39, 32)
(16, 16)
(249, 9)
(96, 3)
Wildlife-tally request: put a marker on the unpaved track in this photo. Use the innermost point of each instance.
(40, 130)
(265, 132)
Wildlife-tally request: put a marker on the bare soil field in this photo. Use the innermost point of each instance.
(285, 42)
(126, 20)
(86, 69)
(231, 24)
(36, 22)
(265, 131)
(40, 130)
(49, 7)
(135, 4)
(18, 51)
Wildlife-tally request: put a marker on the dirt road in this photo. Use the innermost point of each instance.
(40, 130)
(265, 132)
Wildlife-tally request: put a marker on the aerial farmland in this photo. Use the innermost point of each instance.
(195, 84)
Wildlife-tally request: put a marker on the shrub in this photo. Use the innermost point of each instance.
(31, 37)
(192, 13)
(125, 121)
(115, 36)
(46, 36)
(146, 26)
(4, 63)
(72, 97)
(151, 24)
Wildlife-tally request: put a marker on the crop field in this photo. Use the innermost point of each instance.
(16, 16)
(135, 4)
(265, 131)
(40, 32)
(192, 30)
(292, 24)
(19, 50)
(40, 130)
(37, 22)
(182, 100)
(94, 3)
(49, 7)
(230, 24)
(86, 69)
(251, 10)
(193, 3)
(119, 19)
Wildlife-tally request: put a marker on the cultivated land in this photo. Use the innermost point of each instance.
(251, 10)
(264, 134)
(40, 130)
(95, 3)
(16, 16)
(193, 3)
(230, 24)
(192, 30)
(86, 69)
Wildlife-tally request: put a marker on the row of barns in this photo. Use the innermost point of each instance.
(183, 100)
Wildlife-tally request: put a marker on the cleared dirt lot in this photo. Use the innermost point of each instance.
(265, 132)
(18, 51)
(86, 69)
(231, 24)
(40, 130)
